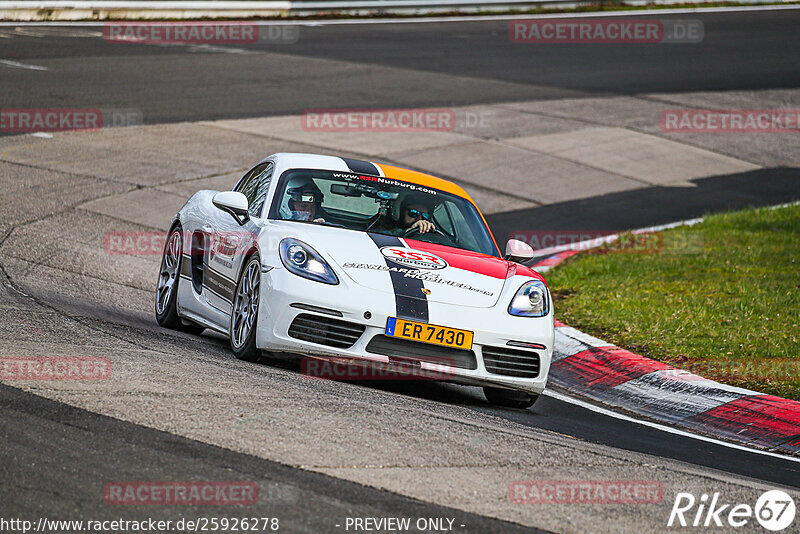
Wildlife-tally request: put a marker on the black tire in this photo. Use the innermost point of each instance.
(167, 314)
(245, 349)
(509, 398)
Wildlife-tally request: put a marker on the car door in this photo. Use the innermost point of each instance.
(230, 241)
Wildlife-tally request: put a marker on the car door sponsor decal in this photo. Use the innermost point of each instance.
(186, 267)
(409, 299)
(215, 282)
(220, 285)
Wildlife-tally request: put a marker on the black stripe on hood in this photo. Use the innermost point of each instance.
(411, 302)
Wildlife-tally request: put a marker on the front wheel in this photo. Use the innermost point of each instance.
(244, 314)
(509, 398)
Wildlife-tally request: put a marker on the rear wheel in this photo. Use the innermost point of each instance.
(244, 314)
(169, 276)
(509, 398)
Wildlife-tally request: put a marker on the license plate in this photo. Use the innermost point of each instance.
(429, 333)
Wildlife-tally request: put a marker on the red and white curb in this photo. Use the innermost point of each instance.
(600, 372)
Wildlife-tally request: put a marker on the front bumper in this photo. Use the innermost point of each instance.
(493, 328)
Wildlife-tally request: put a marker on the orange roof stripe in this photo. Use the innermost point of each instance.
(420, 178)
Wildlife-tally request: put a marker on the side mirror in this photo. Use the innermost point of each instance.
(518, 251)
(234, 203)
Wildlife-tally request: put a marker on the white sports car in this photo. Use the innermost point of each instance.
(338, 258)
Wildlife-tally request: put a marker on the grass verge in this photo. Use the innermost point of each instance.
(721, 299)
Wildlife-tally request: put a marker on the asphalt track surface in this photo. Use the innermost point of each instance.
(740, 51)
(745, 51)
(65, 476)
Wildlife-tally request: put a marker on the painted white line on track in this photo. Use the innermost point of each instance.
(610, 413)
(18, 65)
(477, 18)
(205, 48)
(48, 31)
(201, 48)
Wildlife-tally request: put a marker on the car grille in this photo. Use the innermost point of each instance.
(325, 330)
(510, 362)
(404, 349)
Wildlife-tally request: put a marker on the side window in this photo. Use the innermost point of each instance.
(442, 217)
(255, 187)
(262, 180)
(247, 177)
(466, 238)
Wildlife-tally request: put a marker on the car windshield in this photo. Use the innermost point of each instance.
(383, 206)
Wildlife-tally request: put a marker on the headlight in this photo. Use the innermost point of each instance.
(532, 300)
(304, 261)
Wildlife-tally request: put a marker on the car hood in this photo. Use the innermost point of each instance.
(407, 266)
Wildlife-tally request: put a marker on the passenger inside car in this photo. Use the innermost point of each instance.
(305, 200)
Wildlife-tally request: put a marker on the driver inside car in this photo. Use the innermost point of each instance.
(417, 216)
(415, 211)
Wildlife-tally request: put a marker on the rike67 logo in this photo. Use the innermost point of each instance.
(774, 510)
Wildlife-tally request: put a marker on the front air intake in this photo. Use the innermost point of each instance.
(510, 362)
(325, 330)
(413, 351)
